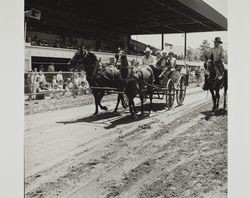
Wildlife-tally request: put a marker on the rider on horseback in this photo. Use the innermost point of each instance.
(218, 56)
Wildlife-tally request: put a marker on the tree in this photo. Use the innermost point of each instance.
(204, 48)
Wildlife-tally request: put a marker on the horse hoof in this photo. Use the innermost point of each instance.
(95, 113)
(105, 108)
(135, 116)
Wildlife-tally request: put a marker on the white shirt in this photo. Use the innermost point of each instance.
(59, 77)
(218, 53)
(148, 61)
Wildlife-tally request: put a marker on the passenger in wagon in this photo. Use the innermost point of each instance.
(148, 59)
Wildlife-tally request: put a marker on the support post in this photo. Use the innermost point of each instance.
(185, 44)
(162, 41)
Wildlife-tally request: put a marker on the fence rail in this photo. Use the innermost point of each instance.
(39, 85)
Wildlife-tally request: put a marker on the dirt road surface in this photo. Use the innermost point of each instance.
(180, 152)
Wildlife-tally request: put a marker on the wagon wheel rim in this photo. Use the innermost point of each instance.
(181, 90)
(170, 94)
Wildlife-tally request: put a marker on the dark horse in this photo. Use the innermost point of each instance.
(139, 82)
(215, 84)
(96, 77)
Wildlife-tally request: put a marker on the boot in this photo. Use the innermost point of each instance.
(205, 86)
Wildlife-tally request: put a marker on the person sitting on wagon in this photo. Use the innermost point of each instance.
(148, 59)
(166, 65)
(158, 56)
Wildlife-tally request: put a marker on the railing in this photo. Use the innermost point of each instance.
(41, 85)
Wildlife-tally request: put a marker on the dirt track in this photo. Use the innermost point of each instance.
(173, 153)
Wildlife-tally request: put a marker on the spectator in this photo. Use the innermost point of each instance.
(35, 87)
(51, 68)
(68, 86)
(42, 80)
(54, 83)
(76, 79)
(59, 77)
(30, 80)
(42, 68)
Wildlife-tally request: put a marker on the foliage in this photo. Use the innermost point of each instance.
(204, 48)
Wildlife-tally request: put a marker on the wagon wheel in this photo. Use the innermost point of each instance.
(181, 90)
(170, 94)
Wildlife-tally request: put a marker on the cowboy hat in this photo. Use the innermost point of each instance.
(218, 39)
(148, 50)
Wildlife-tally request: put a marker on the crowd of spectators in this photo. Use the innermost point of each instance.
(59, 42)
(54, 84)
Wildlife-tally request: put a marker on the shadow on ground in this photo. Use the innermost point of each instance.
(209, 114)
(123, 117)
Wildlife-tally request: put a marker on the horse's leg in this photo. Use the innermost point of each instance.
(124, 105)
(95, 94)
(100, 96)
(217, 96)
(225, 97)
(133, 109)
(130, 104)
(213, 97)
(141, 98)
(118, 101)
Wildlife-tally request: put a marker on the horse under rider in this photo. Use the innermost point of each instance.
(218, 56)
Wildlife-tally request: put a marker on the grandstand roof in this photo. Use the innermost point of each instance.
(132, 16)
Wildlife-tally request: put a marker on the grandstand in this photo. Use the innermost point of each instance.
(103, 26)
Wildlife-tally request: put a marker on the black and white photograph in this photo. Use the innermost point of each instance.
(125, 99)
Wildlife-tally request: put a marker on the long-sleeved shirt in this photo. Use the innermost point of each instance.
(218, 53)
(148, 60)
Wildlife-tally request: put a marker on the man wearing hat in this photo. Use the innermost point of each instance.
(158, 56)
(218, 55)
(148, 59)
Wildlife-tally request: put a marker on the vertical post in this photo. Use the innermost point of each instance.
(162, 41)
(74, 84)
(25, 28)
(185, 44)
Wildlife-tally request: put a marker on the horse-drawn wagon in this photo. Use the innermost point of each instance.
(129, 83)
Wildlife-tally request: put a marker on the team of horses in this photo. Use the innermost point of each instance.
(132, 80)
